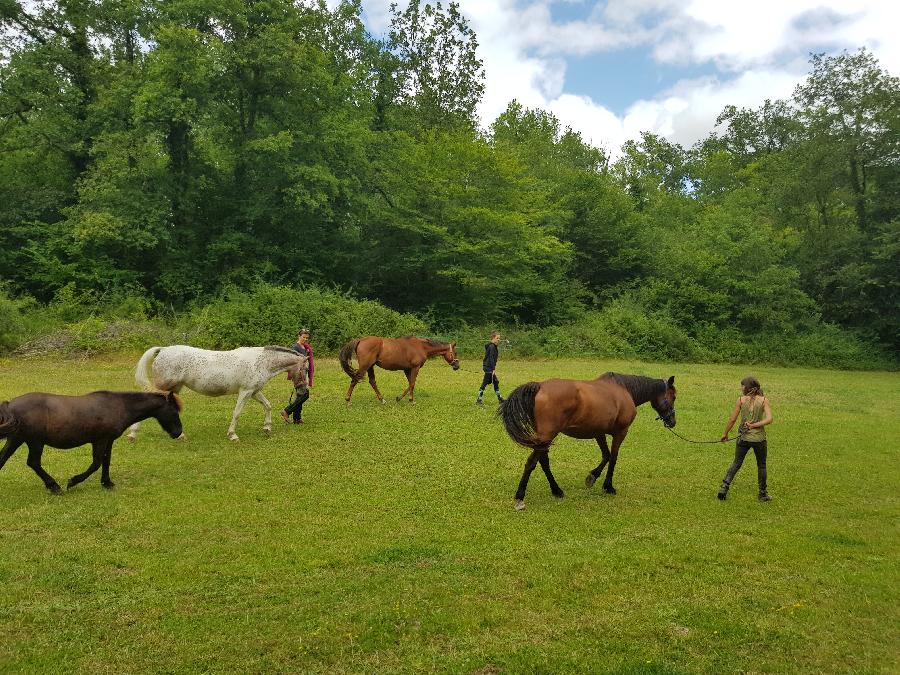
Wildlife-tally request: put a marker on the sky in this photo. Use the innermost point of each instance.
(612, 69)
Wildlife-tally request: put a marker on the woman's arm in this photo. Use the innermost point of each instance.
(767, 416)
(731, 420)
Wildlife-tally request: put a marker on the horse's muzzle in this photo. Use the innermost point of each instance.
(455, 364)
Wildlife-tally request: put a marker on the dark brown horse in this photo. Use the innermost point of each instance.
(69, 421)
(536, 412)
(408, 354)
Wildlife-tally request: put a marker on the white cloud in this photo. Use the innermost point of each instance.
(759, 51)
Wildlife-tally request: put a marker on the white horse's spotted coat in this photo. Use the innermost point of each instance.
(243, 371)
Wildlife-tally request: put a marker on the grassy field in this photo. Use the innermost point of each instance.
(383, 538)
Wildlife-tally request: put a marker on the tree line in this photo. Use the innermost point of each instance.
(176, 149)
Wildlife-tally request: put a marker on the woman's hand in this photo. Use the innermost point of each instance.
(724, 438)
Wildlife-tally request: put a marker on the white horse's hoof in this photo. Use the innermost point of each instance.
(520, 505)
(132, 437)
(233, 437)
(267, 431)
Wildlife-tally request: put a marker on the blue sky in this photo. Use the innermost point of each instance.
(611, 69)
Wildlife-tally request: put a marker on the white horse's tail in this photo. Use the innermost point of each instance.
(141, 373)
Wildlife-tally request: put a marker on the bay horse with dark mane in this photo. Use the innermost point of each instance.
(407, 353)
(66, 422)
(536, 412)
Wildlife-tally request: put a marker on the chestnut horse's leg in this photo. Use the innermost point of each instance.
(595, 474)
(407, 372)
(35, 450)
(100, 449)
(617, 441)
(544, 459)
(375, 386)
(366, 362)
(530, 463)
(8, 450)
(414, 372)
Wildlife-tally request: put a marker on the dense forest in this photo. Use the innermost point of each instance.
(178, 151)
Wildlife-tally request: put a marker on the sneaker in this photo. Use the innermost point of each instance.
(298, 421)
(478, 401)
(764, 497)
(285, 416)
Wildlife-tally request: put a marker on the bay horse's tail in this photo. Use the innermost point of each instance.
(347, 352)
(8, 420)
(142, 372)
(517, 413)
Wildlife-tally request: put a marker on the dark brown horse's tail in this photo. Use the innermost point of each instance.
(517, 413)
(347, 352)
(8, 420)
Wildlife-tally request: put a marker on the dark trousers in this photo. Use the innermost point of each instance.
(741, 449)
(489, 378)
(296, 408)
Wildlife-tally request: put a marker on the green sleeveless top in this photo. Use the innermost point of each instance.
(752, 411)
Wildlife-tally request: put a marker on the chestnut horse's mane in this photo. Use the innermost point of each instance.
(428, 341)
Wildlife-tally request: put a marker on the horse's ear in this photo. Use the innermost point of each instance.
(671, 381)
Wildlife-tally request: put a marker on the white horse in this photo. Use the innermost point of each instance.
(243, 371)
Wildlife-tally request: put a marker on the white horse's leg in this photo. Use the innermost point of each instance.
(267, 424)
(132, 431)
(242, 399)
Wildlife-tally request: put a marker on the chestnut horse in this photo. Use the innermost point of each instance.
(69, 421)
(536, 412)
(408, 354)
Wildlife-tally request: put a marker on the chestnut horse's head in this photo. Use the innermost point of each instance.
(664, 404)
(450, 356)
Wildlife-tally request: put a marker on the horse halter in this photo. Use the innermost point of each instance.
(666, 413)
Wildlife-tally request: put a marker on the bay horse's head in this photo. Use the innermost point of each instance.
(664, 403)
(168, 415)
(450, 356)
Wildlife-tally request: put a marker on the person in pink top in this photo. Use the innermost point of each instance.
(301, 390)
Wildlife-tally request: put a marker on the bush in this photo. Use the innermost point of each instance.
(270, 314)
(13, 327)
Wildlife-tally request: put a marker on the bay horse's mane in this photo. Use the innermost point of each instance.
(641, 388)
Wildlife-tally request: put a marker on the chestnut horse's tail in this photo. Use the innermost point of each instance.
(347, 352)
(8, 420)
(517, 413)
(141, 373)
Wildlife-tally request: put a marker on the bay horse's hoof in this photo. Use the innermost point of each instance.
(520, 505)
(590, 480)
(609, 489)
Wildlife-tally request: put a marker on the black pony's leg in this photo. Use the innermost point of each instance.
(595, 474)
(99, 453)
(105, 480)
(530, 463)
(11, 446)
(35, 450)
(544, 459)
(613, 456)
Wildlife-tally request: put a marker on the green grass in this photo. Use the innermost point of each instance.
(383, 538)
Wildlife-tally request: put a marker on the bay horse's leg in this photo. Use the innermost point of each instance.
(8, 450)
(595, 474)
(35, 450)
(613, 456)
(375, 386)
(243, 395)
(544, 459)
(530, 463)
(267, 423)
(105, 480)
(99, 454)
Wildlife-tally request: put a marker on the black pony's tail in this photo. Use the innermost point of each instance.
(8, 420)
(517, 413)
(347, 352)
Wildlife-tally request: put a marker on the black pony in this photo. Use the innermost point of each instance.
(65, 422)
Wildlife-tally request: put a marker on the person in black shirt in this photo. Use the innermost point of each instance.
(491, 354)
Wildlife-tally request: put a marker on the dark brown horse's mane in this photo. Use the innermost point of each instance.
(641, 388)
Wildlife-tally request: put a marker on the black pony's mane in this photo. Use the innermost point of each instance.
(641, 388)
